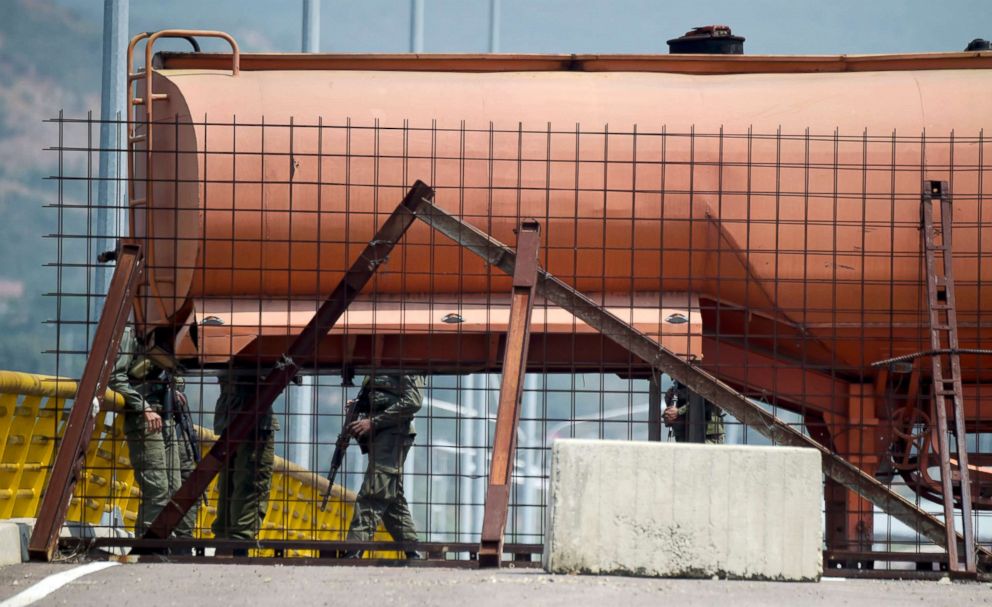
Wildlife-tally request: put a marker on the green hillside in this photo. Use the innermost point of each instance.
(49, 61)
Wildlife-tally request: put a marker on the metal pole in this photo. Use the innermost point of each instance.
(494, 19)
(301, 414)
(300, 401)
(482, 441)
(532, 439)
(654, 406)
(311, 26)
(466, 456)
(111, 211)
(417, 26)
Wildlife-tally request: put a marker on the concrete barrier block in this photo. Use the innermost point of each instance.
(681, 510)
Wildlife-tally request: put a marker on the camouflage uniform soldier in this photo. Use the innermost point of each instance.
(243, 484)
(676, 418)
(386, 434)
(153, 441)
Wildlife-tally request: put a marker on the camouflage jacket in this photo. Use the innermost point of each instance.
(391, 401)
(135, 377)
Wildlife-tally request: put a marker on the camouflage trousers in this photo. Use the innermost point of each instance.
(243, 484)
(187, 463)
(161, 461)
(381, 495)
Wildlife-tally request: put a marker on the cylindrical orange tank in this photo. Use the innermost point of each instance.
(784, 191)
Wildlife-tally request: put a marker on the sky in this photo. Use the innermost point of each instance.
(579, 26)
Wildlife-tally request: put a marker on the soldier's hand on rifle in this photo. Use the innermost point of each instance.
(181, 399)
(360, 428)
(153, 421)
(670, 415)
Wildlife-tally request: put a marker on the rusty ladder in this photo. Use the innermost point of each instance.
(142, 200)
(947, 390)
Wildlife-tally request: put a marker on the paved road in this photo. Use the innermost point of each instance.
(188, 585)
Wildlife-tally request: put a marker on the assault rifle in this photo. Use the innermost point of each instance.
(340, 447)
(179, 412)
(184, 422)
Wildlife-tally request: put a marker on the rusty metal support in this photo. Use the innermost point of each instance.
(302, 348)
(508, 414)
(947, 389)
(699, 381)
(69, 460)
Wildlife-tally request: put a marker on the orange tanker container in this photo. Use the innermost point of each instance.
(782, 194)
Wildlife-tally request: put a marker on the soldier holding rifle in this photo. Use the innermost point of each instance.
(381, 418)
(160, 436)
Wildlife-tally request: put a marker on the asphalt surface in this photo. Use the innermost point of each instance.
(189, 584)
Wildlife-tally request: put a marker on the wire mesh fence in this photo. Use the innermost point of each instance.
(788, 265)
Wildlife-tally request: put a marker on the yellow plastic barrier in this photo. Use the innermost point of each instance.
(30, 421)
(28, 404)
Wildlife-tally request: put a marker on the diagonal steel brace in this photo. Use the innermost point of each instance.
(702, 383)
(303, 347)
(67, 468)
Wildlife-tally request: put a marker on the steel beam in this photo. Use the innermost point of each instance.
(69, 459)
(511, 388)
(699, 381)
(302, 348)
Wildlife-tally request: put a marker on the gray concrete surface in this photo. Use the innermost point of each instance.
(683, 510)
(15, 578)
(150, 585)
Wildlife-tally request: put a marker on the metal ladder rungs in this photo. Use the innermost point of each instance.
(155, 97)
(940, 296)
